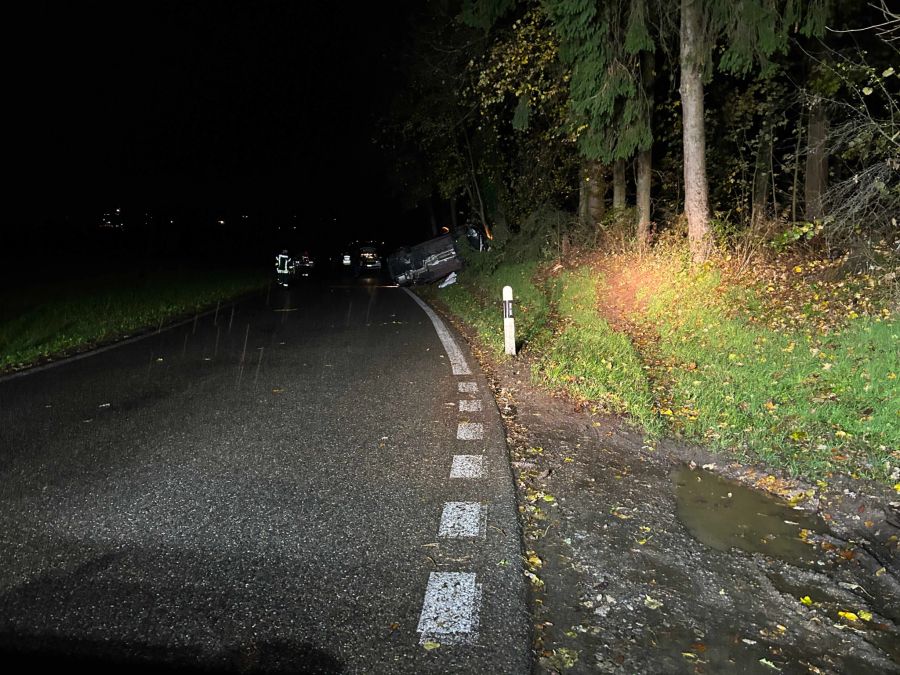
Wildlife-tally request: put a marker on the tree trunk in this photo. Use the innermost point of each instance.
(432, 218)
(644, 168)
(643, 181)
(816, 161)
(696, 201)
(761, 177)
(592, 194)
(454, 218)
(618, 201)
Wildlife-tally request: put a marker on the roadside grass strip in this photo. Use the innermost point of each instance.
(467, 466)
(463, 520)
(450, 611)
(55, 319)
(477, 298)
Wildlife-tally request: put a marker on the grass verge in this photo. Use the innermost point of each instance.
(57, 318)
(809, 398)
(794, 365)
(588, 358)
(476, 298)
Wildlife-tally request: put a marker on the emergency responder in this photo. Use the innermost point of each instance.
(283, 267)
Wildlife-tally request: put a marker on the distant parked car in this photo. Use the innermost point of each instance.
(304, 265)
(369, 257)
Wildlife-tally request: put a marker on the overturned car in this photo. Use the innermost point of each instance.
(426, 262)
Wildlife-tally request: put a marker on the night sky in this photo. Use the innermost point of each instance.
(254, 106)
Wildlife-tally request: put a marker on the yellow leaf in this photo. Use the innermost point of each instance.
(806, 600)
(431, 644)
(651, 602)
(864, 615)
(850, 616)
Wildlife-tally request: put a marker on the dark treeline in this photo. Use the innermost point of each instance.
(735, 121)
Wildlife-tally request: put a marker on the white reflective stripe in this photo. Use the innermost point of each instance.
(462, 520)
(470, 431)
(450, 609)
(467, 387)
(466, 466)
(470, 406)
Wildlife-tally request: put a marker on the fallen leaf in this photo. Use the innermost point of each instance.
(431, 644)
(864, 615)
(769, 664)
(806, 600)
(850, 616)
(652, 603)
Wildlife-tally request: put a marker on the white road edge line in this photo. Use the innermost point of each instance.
(450, 609)
(470, 405)
(463, 520)
(467, 466)
(470, 431)
(457, 362)
(467, 387)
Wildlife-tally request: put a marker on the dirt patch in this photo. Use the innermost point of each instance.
(621, 585)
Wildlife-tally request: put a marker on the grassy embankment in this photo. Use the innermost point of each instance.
(794, 364)
(55, 318)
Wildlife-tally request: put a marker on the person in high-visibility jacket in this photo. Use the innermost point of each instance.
(283, 267)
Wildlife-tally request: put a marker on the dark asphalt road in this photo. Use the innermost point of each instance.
(186, 502)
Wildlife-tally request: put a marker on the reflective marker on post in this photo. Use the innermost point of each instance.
(509, 324)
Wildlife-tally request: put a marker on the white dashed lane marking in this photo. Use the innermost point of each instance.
(470, 431)
(470, 406)
(467, 387)
(466, 466)
(462, 520)
(450, 611)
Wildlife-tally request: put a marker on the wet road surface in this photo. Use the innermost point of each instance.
(299, 483)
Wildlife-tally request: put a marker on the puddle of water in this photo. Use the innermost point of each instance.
(723, 515)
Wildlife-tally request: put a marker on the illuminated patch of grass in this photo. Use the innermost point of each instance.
(477, 299)
(589, 359)
(49, 320)
(810, 402)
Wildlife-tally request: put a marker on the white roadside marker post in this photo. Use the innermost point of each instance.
(509, 323)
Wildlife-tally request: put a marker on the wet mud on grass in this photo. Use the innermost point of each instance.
(643, 561)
